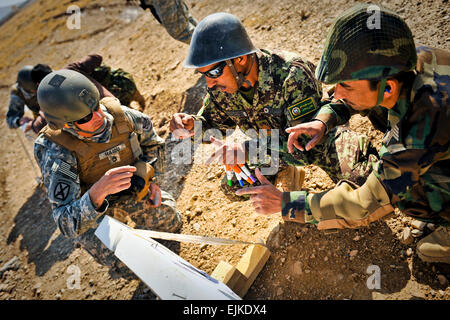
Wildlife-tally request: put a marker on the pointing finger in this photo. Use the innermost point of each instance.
(251, 190)
(261, 178)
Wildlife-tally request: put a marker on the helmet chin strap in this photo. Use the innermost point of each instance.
(239, 76)
(381, 91)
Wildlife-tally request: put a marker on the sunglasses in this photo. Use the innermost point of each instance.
(216, 71)
(87, 118)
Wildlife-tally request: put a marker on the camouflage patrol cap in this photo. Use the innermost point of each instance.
(218, 37)
(366, 42)
(66, 96)
(25, 80)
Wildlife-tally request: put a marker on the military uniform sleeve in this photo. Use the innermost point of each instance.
(143, 126)
(333, 113)
(175, 17)
(212, 117)
(15, 111)
(73, 214)
(87, 65)
(345, 206)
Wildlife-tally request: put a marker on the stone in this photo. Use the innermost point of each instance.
(406, 236)
(420, 225)
(431, 226)
(279, 291)
(12, 264)
(442, 280)
(37, 289)
(353, 253)
(58, 296)
(356, 238)
(297, 268)
(416, 233)
(409, 252)
(6, 288)
(196, 226)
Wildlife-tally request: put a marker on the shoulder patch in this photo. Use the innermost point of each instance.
(61, 191)
(302, 108)
(65, 169)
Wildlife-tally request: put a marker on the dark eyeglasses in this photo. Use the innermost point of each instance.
(216, 71)
(87, 118)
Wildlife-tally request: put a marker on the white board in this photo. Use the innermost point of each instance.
(168, 275)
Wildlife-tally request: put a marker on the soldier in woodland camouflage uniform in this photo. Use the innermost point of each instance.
(272, 90)
(174, 16)
(83, 160)
(382, 67)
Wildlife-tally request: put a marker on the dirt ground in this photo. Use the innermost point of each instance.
(304, 263)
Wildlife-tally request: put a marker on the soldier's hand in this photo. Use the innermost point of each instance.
(314, 129)
(113, 181)
(266, 198)
(24, 120)
(155, 196)
(182, 125)
(227, 153)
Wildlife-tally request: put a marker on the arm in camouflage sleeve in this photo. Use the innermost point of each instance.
(212, 117)
(15, 111)
(73, 214)
(333, 114)
(345, 206)
(143, 126)
(88, 64)
(174, 16)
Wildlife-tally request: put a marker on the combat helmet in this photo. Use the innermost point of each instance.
(219, 37)
(25, 80)
(366, 42)
(66, 96)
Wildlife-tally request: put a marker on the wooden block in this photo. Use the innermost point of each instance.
(250, 265)
(229, 275)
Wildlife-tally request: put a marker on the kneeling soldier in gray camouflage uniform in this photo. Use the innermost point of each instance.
(92, 162)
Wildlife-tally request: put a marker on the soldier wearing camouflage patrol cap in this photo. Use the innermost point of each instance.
(379, 68)
(263, 89)
(92, 162)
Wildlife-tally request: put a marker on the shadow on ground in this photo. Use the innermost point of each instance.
(307, 263)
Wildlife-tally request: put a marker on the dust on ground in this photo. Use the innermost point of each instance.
(305, 263)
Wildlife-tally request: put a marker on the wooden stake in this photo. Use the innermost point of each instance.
(240, 278)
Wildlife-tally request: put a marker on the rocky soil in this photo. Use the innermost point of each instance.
(37, 262)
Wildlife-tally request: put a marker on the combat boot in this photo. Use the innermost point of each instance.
(436, 246)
